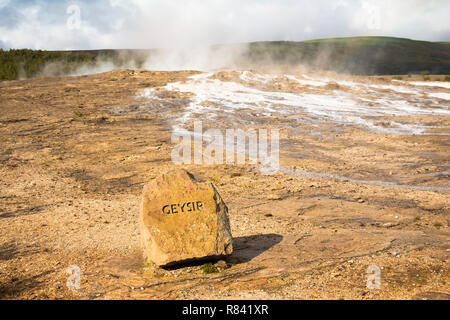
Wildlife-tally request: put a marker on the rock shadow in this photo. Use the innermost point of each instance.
(244, 249)
(247, 248)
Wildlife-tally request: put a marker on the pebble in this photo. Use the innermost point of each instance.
(389, 224)
(222, 264)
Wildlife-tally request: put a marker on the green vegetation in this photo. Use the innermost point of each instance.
(357, 55)
(149, 264)
(215, 179)
(78, 112)
(208, 268)
(26, 63)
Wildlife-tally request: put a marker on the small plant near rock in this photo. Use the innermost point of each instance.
(447, 78)
(437, 224)
(78, 112)
(149, 264)
(208, 268)
(215, 179)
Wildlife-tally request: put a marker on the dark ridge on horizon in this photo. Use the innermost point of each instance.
(350, 55)
(105, 50)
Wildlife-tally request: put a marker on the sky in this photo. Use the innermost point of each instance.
(143, 24)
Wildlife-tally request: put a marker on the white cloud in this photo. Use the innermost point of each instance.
(156, 23)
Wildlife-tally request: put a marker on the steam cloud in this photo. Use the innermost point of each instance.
(185, 30)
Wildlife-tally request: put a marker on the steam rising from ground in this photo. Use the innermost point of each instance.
(274, 56)
(197, 58)
(202, 58)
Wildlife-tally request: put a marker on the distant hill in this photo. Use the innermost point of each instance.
(357, 55)
(26, 63)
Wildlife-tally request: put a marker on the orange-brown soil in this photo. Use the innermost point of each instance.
(72, 173)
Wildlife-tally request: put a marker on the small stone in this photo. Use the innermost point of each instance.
(389, 224)
(222, 264)
(273, 197)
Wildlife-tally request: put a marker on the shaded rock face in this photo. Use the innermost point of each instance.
(183, 220)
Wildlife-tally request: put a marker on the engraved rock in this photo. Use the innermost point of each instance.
(183, 220)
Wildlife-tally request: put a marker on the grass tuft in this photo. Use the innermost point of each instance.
(208, 268)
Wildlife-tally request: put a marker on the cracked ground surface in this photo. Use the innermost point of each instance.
(72, 170)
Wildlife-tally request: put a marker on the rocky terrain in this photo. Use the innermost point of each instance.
(363, 181)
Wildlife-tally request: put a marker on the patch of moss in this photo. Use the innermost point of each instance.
(215, 179)
(149, 264)
(437, 224)
(208, 268)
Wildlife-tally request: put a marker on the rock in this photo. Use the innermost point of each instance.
(390, 224)
(430, 295)
(432, 205)
(222, 264)
(183, 220)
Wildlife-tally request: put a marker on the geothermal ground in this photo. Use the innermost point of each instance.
(363, 181)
